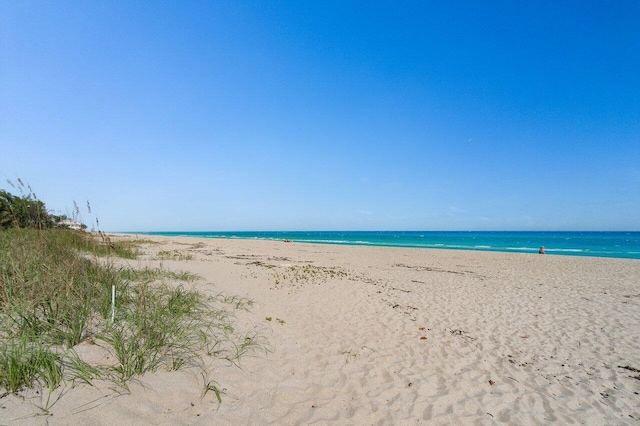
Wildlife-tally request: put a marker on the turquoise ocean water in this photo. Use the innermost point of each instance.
(600, 244)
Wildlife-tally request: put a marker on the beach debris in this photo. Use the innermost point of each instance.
(462, 334)
(633, 370)
(423, 338)
(259, 263)
(427, 268)
(435, 269)
(627, 367)
(400, 289)
(491, 382)
(349, 354)
(297, 275)
(242, 256)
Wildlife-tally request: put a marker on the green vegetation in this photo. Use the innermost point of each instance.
(349, 354)
(56, 292)
(25, 211)
(173, 255)
(279, 320)
(308, 274)
(148, 275)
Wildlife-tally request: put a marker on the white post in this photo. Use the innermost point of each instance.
(113, 303)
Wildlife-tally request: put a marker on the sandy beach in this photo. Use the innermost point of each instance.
(388, 336)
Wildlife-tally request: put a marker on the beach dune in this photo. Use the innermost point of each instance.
(381, 336)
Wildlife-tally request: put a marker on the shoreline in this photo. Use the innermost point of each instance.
(379, 335)
(294, 237)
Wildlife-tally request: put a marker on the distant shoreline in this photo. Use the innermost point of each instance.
(608, 244)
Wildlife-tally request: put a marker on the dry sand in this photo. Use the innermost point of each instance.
(367, 335)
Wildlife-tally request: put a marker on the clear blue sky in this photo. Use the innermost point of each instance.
(294, 115)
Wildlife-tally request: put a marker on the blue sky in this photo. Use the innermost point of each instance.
(289, 115)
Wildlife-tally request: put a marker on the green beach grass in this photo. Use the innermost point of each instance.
(56, 292)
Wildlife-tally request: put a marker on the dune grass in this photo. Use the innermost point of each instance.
(55, 292)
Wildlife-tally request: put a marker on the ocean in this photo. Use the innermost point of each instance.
(598, 244)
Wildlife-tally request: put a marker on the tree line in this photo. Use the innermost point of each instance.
(25, 211)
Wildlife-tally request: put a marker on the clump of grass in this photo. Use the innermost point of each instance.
(50, 296)
(55, 292)
(237, 302)
(213, 387)
(148, 275)
(161, 327)
(174, 255)
(48, 290)
(250, 342)
(22, 363)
